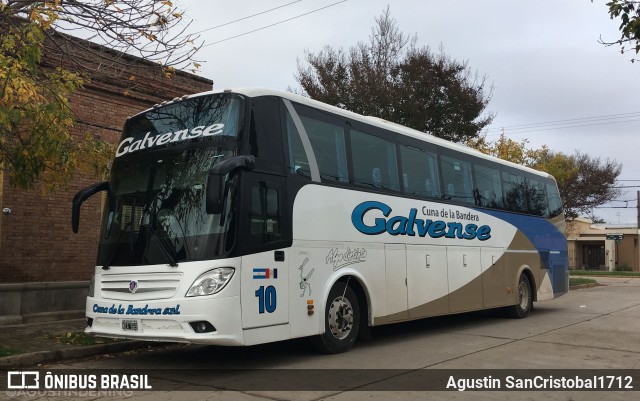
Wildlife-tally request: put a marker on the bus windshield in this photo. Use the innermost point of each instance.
(156, 212)
(160, 214)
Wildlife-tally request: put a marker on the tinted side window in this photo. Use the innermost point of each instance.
(488, 192)
(327, 141)
(265, 140)
(514, 192)
(419, 172)
(536, 197)
(264, 214)
(456, 179)
(374, 161)
(298, 162)
(555, 204)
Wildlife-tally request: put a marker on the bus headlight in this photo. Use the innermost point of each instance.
(211, 282)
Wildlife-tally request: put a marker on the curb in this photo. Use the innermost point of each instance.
(35, 358)
(581, 286)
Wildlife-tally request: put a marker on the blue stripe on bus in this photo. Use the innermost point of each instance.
(550, 243)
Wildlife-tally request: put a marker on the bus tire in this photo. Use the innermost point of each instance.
(525, 299)
(341, 321)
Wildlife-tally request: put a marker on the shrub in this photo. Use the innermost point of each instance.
(623, 268)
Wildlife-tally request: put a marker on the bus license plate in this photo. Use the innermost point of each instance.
(130, 325)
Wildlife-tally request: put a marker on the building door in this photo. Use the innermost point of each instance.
(593, 256)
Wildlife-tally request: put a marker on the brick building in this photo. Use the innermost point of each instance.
(38, 250)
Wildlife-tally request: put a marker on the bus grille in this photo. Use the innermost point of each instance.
(138, 287)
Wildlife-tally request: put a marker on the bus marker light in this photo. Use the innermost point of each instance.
(310, 310)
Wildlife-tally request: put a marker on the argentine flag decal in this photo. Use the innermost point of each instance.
(260, 273)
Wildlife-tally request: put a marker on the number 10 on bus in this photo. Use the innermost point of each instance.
(266, 299)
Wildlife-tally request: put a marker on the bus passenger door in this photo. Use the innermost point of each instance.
(427, 280)
(265, 273)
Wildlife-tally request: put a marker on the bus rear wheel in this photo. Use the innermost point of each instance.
(341, 321)
(525, 299)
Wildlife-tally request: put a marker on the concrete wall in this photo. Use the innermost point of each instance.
(35, 302)
(628, 252)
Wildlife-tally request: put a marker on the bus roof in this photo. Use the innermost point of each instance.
(374, 121)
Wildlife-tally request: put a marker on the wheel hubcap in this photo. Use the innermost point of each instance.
(340, 318)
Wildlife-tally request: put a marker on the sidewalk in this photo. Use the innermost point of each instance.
(606, 280)
(37, 346)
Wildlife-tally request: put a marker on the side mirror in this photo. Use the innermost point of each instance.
(216, 180)
(82, 196)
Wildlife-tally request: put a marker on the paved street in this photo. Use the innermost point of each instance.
(589, 328)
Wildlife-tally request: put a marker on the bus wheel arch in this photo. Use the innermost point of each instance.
(345, 313)
(364, 301)
(525, 289)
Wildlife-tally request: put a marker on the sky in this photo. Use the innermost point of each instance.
(554, 83)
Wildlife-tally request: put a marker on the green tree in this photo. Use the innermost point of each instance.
(628, 12)
(584, 182)
(391, 78)
(36, 118)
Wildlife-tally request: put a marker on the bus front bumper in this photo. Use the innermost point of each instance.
(167, 320)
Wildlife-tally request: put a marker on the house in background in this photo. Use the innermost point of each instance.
(602, 246)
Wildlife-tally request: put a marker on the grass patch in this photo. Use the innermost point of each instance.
(573, 281)
(602, 273)
(6, 351)
(80, 338)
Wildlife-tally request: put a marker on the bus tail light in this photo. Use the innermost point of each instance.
(211, 282)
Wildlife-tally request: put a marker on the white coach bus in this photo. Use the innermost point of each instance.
(251, 216)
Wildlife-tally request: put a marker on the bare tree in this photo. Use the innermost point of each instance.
(592, 184)
(42, 65)
(152, 30)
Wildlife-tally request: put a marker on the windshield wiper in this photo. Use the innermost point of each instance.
(169, 253)
(113, 253)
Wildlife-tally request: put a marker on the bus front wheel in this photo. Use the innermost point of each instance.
(341, 321)
(525, 299)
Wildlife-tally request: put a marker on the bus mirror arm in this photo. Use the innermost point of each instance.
(85, 194)
(216, 182)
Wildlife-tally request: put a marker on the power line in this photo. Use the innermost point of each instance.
(571, 126)
(274, 24)
(572, 123)
(247, 17)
